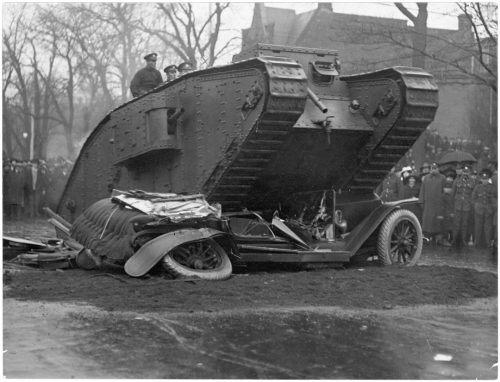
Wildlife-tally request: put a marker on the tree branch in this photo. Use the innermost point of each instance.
(406, 12)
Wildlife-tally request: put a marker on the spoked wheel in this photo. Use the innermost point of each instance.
(400, 239)
(205, 259)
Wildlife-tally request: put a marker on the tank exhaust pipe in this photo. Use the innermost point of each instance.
(316, 101)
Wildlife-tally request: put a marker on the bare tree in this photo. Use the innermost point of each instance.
(478, 43)
(7, 72)
(482, 18)
(116, 45)
(66, 65)
(419, 32)
(190, 37)
(15, 40)
(469, 53)
(93, 44)
(64, 102)
(46, 120)
(60, 92)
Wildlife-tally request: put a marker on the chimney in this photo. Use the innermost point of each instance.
(464, 23)
(325, 6)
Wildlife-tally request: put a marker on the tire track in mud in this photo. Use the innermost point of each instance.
(95, 337)
(166, 325)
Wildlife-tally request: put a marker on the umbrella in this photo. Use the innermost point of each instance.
(457, 157)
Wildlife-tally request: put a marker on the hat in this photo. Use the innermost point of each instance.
(466, 169)
(486, 173)
(151, 57)
(434, 165)
(425, 165)
(459, 166)
(169, 68)
(406, 169)
(185, 66)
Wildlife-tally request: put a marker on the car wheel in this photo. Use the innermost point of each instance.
(204, 259)
(400, 239)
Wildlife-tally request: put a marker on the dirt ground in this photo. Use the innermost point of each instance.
(75, 323)
(370, 287)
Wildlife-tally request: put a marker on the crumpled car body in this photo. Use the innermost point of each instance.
(208, 244)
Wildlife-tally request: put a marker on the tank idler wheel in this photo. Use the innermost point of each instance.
(400, 239)
(204, 259)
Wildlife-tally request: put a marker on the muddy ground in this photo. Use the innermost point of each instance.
(370, 287)
(111, 310)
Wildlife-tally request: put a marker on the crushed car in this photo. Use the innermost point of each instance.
(188, 237)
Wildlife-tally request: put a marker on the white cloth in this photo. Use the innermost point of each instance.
(175, 207)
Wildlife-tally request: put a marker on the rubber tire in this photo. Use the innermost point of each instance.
(386, 231)
(223, 272)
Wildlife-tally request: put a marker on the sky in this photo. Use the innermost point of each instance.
(440, 13)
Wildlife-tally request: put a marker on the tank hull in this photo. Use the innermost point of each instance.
(250, 135)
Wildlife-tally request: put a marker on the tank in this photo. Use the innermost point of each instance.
(278, 121)
(279, 129)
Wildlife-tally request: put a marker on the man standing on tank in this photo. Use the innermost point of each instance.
(171, 72)
(146, 78)
(185, 68)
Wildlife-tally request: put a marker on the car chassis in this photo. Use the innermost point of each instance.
(210, 246)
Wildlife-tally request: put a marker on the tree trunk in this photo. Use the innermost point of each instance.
(37, 112)
(420, 36)
(419, 33)
(6, 131)
(71, 115)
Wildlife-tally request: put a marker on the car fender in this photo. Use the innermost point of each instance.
(153, 251)
(363, 230)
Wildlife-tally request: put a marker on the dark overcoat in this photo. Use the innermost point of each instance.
(462, 192)
(431, 197)
(145, 80)
(14, 186)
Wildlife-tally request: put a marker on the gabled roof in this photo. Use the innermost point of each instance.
(301, 22)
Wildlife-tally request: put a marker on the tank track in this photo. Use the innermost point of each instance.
(416, 96)
(285, 104)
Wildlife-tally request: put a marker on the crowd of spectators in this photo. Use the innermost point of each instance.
(436, 146)
(457, 202)
(28, 186)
